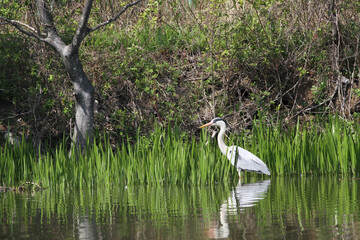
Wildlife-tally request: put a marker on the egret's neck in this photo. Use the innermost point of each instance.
(221, 142)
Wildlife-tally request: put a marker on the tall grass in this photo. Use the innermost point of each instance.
(169, 156)
(315, 148)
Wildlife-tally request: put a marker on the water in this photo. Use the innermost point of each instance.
(280, 208)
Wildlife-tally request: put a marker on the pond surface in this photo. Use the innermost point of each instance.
(280, 208)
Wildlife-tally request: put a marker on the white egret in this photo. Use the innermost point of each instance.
(241, 158)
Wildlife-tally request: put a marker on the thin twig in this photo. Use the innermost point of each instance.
(115, 17)
(18, 25)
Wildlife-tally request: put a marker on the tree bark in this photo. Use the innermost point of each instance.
(84, 98)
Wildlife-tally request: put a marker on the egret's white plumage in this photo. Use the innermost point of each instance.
(241, 158)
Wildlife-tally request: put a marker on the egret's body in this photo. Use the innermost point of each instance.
(241, 158)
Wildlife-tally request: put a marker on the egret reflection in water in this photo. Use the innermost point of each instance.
(242, 196)
(246, 195)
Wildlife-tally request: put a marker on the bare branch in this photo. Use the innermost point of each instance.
(82, 29)
(46, 19)
(24, 24)
(115, 17)
(18, 25)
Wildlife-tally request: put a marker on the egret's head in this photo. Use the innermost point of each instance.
(215, 122)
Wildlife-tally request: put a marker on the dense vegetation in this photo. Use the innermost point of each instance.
(165, 62)
(169, 156)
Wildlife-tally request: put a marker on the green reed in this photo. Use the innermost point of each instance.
(166, 156)
(313, 148)
(169, 156)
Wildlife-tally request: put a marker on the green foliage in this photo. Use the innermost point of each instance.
(318, 92)
(14, 53)
(10, 8)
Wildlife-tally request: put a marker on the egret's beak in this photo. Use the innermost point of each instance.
(208, 124)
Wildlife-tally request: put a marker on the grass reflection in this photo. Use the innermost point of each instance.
(317, 207)
(128, 208)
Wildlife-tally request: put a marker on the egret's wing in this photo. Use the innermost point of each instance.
(246, 161)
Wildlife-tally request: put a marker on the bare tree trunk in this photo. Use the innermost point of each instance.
(84, 99)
